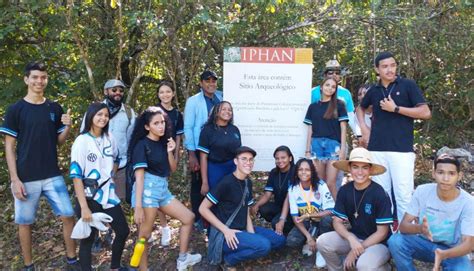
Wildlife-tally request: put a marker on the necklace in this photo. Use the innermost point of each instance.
(356, 213)
(389, 91)
(98, 143)
(307, 199)
(280, 183)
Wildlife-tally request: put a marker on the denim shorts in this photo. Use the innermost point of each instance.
(55, 191)
(155, 192)
(325, 148)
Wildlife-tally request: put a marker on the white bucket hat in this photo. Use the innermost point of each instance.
(361, 155)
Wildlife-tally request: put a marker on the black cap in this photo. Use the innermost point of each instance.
(206, 74)
(244, 149)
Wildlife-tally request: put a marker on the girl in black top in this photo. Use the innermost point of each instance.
(166, 94)
(218, 142)
(151, 148)
(327, 125)
(277, 212)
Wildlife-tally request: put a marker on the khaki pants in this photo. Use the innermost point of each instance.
(334, 248)
(119, 180)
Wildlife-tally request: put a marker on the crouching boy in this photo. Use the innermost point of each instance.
(438, 224)
(232, 234)
(367, 207)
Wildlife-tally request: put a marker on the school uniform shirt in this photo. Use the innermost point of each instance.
(319, 200)
(391, 131)
(176, 118)
(373, 208)
(321, 127)
(219, 142)
(447, 221)
(36, 128)
(277, 183)
(93, 158)
(226, 196)
(152, 156)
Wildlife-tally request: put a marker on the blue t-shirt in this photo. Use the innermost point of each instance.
(152, 156)
(321, 127)
(374, 208)
(219, 142)
(36, 128)
(391, 131)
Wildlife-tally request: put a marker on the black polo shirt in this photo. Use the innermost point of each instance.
(219, 142)
(392, 131)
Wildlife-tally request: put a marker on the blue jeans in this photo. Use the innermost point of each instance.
(55, 191)
(406, 247)
(253, 245)
(325, 148)
(216, 171)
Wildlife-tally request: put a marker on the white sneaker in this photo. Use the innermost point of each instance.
(165, 236)
(191, 259)
(320, 261)
(306, 250)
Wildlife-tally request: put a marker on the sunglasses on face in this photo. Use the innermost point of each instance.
(114, 90)
(333, 72)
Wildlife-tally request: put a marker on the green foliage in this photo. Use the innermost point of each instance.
(143, 42)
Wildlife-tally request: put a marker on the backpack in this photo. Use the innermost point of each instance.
(130, 175)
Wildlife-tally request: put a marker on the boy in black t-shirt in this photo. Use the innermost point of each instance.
(368, 209)
(33, 128)
(239, 240)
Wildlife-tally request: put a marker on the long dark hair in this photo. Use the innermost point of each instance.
(90, 114)
(331, 112)
(284, 148)
(314, 175)
(139, 131)
(164, 83)
(212, 120)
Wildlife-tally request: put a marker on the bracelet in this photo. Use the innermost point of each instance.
(282, 219)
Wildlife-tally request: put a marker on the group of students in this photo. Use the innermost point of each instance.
(308, 210)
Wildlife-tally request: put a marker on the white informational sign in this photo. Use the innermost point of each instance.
(270, 91)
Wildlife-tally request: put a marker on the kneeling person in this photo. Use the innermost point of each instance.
(232, 234)
(443, 214)
(367, 207)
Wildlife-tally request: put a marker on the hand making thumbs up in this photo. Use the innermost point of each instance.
(66, 118)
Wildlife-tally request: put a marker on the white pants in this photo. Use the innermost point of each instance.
(334, 248)
(399, 176)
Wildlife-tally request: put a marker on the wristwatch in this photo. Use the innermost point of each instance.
(397, 108)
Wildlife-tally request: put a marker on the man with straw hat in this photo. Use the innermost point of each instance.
(367, 208)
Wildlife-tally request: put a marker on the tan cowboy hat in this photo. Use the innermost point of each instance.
(360, 155)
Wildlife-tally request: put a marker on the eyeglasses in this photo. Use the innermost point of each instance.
(333, 72)
(247, 160)
(121, 90)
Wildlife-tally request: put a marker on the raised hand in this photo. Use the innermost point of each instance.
(66, 118)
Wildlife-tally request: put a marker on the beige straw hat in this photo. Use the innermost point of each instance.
(360, 155)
